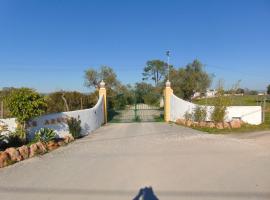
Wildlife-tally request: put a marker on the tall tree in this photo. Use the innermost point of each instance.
(154, 70)
(94, 77)
(186, 81)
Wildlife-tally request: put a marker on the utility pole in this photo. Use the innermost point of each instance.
(168, 63)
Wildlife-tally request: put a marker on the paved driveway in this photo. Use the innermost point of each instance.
(117, 160)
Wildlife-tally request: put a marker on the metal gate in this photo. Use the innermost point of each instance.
(137, 112)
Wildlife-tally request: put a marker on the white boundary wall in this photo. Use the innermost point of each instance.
(91, 119)
(249, 114)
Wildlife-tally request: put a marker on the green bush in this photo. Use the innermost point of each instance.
(188, 116)
(15, 140)
(3, 142)
(221, 103)
(199, 114)
(21, 133)
(218, 114)
(25, 104)
(44, 135)
(74, 126)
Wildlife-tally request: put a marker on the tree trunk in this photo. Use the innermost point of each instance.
(65, 102)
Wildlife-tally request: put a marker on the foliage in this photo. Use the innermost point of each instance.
(21, 133)
(93, 77)
(15, 139)
(251, 92)
(3, 142)
(74, 126)
(268, 89)
(154, 70)
(137, 118)
(244, 129)
(44, 135)
(220, 103)
(148, 94)
(25, 103)
(218, 114)
(188, 116)
(4, 93)
(75, 101)
(199, 114)
(186, 81)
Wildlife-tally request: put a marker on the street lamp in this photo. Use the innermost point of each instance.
(168, 63)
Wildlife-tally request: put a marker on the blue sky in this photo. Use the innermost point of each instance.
(47, 45)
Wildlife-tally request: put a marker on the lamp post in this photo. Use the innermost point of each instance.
(168, 63)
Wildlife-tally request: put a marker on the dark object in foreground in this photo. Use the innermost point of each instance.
(146, 193)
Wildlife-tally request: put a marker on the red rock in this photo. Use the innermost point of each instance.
(235, 123)
(41, 148)
(33, 150)
(24, 152)
(226, 125)
(4, 159)
(68, 138)
(202, 124)
(219, 125)
(14, 154)
(189, 123)
(195, 124)
(61, 143)
(210, 125)
(180, 121)
(51, 145)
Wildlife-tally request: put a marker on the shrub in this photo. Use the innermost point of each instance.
(14, 139)
(3, 142)
(218, 114)
(199, 114)
(21, 133)
(24, 104)
(44, 135)
(74, 126)
(188, 116)
(220, 103)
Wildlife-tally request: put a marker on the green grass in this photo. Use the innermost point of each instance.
(244, 129)
(246, 100)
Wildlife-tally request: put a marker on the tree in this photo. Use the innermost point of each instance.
(268, 89)
(186, 81)
(25, 104)
(154, 70)
(94, 77)
(147, 93)
(75, 101)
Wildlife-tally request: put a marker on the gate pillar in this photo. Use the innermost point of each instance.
(167, 101)
(102, 92)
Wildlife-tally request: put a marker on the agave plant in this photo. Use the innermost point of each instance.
(45, 135)
(74, 126)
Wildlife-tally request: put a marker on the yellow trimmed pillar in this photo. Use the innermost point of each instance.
(167, 101)
(102, 92)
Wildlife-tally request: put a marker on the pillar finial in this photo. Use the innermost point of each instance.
(102, 84)
(168, 83)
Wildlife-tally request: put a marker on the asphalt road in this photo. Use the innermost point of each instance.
(117, 160)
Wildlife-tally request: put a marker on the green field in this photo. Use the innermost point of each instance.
(246, 100)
